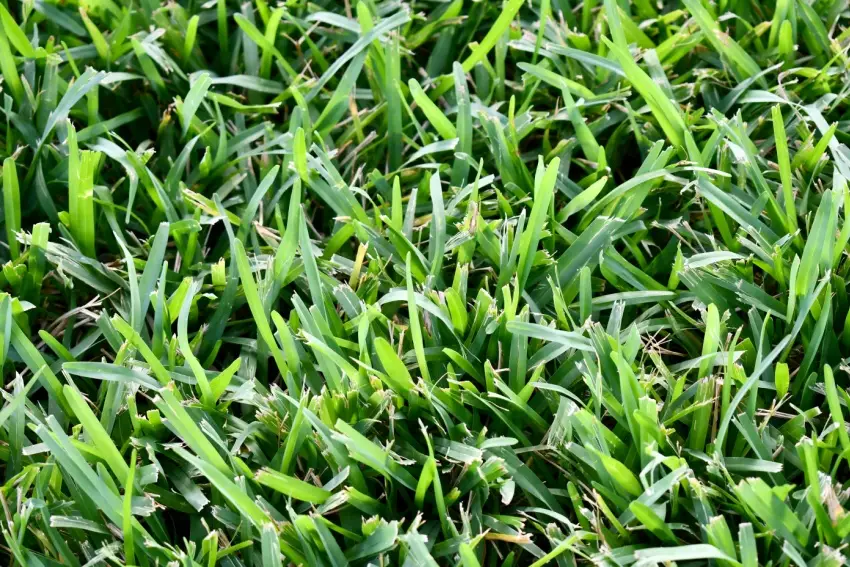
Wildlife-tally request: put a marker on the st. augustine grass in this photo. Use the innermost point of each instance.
(424, 282)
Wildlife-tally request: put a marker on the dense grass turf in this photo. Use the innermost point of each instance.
(424, 282)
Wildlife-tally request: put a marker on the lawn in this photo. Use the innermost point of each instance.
(424, 282)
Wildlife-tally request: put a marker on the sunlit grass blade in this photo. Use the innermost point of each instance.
(11, 206)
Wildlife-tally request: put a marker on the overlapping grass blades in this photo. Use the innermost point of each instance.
(424, 283)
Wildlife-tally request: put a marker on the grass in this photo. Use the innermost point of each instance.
(425, 283)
